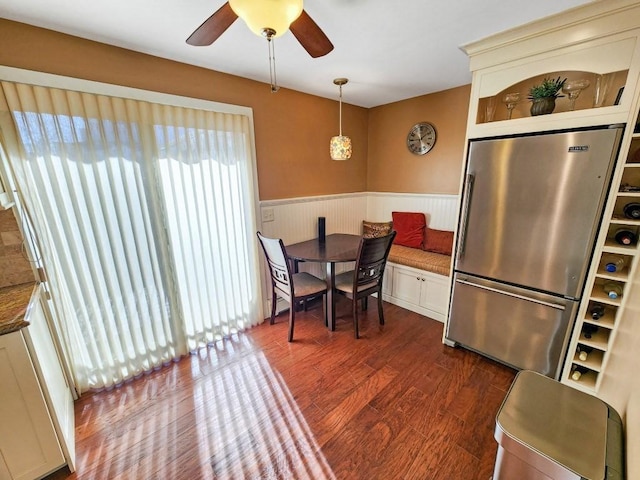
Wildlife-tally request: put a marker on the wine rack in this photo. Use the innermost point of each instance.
(594, 334)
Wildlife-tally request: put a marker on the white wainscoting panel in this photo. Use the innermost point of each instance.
(296, 219)
(441, 210)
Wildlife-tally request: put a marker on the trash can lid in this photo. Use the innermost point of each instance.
(554, 423)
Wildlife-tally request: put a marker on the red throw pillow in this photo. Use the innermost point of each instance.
(438, 241)
(409, 227)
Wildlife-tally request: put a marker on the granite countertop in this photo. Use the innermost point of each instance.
(14, 305)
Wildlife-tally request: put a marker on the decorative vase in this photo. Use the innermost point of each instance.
(542, 106)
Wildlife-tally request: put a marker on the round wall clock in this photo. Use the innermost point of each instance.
(421, 138)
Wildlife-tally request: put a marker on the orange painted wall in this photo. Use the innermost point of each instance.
(292, 129)
(392, 168)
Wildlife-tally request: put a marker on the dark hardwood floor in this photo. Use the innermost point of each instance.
(395, 404)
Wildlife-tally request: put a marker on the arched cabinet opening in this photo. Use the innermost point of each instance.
(581, 90)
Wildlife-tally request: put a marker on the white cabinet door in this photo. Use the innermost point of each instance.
(434, 294)
(29, 445)
(52, 379)
(406, 285)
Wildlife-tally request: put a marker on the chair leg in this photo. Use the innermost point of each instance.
(292, 318)
(365, 303)
(355, 318)
(325, 308)
(380, 312)
(274, 301)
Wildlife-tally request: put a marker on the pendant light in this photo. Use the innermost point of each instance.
(340, 146)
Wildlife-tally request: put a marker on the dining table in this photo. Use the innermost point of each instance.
(336, 248)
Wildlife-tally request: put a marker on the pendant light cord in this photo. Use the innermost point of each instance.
(272, 66)
(340, 110)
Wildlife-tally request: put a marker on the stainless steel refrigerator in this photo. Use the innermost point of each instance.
(531, 209)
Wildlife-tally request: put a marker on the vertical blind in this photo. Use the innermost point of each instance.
(144, 215)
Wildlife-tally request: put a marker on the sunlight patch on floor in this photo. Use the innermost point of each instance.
(250, 426)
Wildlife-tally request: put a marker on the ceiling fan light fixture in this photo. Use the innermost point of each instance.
(259, 15)
(340, 146)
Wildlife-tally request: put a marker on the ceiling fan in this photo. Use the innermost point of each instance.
(268, 18)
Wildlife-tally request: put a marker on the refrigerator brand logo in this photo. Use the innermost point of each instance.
(579, 148)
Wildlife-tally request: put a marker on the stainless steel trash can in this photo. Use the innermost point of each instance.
(549, 431)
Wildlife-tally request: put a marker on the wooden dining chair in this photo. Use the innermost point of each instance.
(366, 278)
(292, 287)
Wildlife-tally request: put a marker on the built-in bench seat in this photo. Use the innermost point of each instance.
(418, 266)
(420, 259)
(418, 280)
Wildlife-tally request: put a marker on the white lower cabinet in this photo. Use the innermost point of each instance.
(36, 406)
(387, 280)
(28, 441)
(417, 290)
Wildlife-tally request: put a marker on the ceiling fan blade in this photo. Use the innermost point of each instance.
(310, 36)
(213, 27)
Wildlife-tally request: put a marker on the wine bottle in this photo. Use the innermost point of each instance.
(588, 330)
(613, 290)
(615, 265)
(597, 311)
(577, 372)
(632, 210)
(625, 237)
(583, 352)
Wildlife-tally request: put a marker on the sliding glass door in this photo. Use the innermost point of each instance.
(144, 215)
(209, 221)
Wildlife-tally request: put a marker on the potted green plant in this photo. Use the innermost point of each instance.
(543, 96)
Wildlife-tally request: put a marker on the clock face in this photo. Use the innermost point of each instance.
(421, 138)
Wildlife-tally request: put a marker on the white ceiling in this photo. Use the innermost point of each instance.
(390, 50)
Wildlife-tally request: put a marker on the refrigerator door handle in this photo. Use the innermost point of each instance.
(511, 294)
(468, 189)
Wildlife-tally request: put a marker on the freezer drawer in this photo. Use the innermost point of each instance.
(521, 328)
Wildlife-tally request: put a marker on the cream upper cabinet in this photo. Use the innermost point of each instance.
(597, 43)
